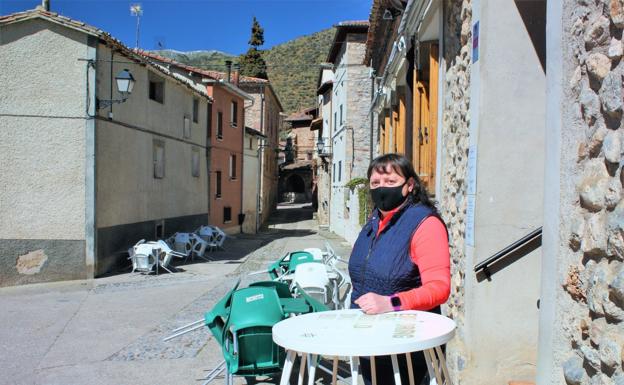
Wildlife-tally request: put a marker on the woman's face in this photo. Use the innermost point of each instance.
(390, 179)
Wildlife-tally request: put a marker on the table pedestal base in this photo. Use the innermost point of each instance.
(436, 366)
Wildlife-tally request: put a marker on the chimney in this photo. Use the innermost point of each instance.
(236, 74)
(46, 5)
(228, 65)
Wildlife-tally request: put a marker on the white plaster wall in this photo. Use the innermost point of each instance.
(501, 315)
(250, 184)
(127, 191)
(338, 143)
(324, 177)
(42, 142)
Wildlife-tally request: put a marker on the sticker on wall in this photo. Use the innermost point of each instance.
(470, 219)
(472, 170)
(475, 42)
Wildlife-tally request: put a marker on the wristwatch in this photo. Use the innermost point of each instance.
(396, 302)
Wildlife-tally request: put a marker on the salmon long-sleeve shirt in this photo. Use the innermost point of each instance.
(429, 251)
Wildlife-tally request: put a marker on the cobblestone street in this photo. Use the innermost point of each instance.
(110, 330)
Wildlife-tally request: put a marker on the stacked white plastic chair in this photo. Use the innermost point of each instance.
(205, 232)
(189, 244)
(149, 256)
(213, 235)
(314, 279)
(208, 234)
(321, 279)
(218, 237)
(199, 247)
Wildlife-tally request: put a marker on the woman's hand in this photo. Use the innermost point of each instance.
(372, 303)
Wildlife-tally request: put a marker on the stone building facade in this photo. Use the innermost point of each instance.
(455, 120)
(582, 320)
(323, 154)
(351, 129)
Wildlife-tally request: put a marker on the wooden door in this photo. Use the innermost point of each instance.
(426, 115)
(400, 147)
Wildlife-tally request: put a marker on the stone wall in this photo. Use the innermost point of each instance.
(455, 123)
(589, 336)
(358, 105)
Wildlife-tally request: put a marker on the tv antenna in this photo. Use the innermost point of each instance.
(137, 10)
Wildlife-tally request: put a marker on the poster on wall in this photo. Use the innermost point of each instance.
(475, 42)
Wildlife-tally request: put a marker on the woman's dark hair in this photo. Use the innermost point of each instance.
(402, 166)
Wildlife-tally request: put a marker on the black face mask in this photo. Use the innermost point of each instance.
(388, 198)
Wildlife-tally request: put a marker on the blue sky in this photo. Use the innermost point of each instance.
(188, 25)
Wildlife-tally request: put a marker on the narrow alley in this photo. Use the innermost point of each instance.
(110, 330)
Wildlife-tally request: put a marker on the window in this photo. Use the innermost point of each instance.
(234, 114)
(219, 125)
(195, 162)
(232, 166)
(250, 143)
(159, 158)
(218, 185)
(156, 89)
(187, 128)
(227, 214)
(334, 172)
(195, 110)
(209, 121)
(159, 229)
(341, 121)
(335, 120)
(339, 170)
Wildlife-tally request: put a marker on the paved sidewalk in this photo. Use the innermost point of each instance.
(110, 330)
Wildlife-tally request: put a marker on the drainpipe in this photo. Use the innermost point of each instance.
(259, 151)
(260, 160)
(242, 172)
(372, 132)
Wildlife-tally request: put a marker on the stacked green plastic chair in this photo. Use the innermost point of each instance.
(241, 322)
(289, 262)
(216, 318)
(248, 346)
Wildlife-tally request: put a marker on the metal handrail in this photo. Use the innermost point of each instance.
(533, 236)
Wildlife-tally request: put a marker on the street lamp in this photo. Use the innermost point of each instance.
(125, 84)
(320, 145)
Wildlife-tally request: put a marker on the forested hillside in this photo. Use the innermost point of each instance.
(292, 66)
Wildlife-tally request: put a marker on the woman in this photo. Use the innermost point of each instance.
(400, 260)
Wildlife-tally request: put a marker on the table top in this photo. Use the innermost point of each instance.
(352, 333)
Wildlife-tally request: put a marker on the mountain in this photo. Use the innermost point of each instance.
(210, 60)
(293, 66)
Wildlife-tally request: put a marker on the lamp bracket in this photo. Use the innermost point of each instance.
(103, 103)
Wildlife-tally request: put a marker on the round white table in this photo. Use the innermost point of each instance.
(353, 334)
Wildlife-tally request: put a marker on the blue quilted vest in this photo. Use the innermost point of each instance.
(382, 264)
